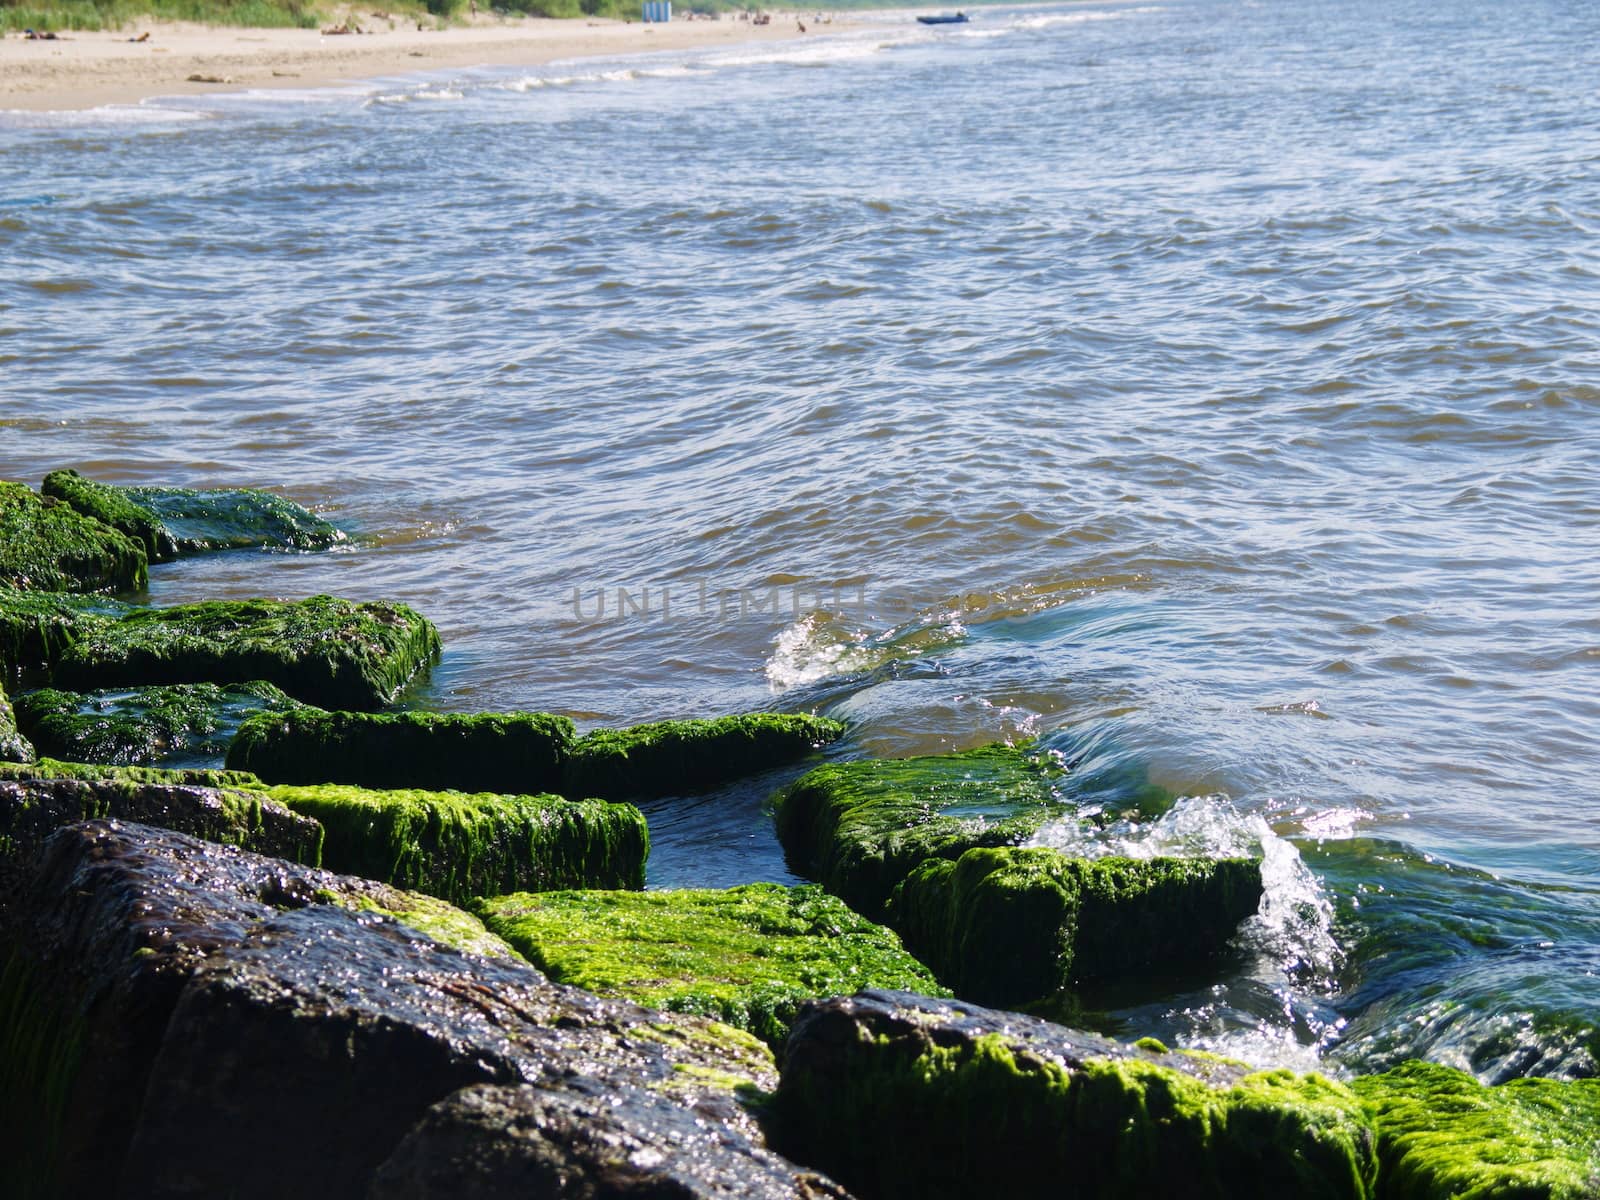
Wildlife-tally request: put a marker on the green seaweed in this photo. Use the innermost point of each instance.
(47, 547)
(516, 753)
(430, 916)
(36, 628)
(459, 847)
(13, 746)
(985, 1116)
(1444, 1136)
(111, 506)
(665, 758)
(747, 956)
(235, 519)
(41, 1048)
(49, 768)
(860, 827)
(1011, 925)
(172, 724)
(325, 651)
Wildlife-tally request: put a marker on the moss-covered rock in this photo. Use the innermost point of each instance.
(37, 627)
(1011, 925)
(111, 506)
(185, 723)
(325, 651)
(1444, 1136)
(49, 768)
(459, 847)
(159, 994)
(665, 758)
(47, 547)
(13, 746)
(32, 809)
(174, 521)
(860, 827)
(513, 753)
(898, 1096)
(745, 955)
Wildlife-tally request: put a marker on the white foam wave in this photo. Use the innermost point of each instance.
(1294, 925)
(817, 647)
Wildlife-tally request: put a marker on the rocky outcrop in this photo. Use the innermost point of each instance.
(522, 752)
(36, 628)
(481, 752)
(746, 955)
(193, 1020)
(585, 1141)
(186, 723)
(173, 521)
(31, 810)
(902, 1096)
(458, 846)
(325, 651)
(861, 827)
(666, 758)
(1012, 925)
(47, 547)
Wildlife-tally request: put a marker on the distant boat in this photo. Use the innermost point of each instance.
(959, 19)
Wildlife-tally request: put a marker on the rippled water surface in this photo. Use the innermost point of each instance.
(1208, 389)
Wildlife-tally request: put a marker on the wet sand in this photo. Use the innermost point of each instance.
(86, 70)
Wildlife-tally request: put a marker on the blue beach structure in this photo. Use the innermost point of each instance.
(658, 10)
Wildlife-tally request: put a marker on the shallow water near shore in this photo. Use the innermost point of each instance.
(1207, 389)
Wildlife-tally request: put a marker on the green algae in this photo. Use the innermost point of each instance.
(747, 956)
(111, 506)
(32, 809)
(459, 847)
(13, 746)
(173, 724)
(665, 758)
(428, 915)
(41, 1049)
(985, 1116)
(860, 827)
(235, 519)
(325, 651)
(1442, 1134)
(742, 1058)
(49, 768)
(515, 753)
(47, 547)
(1011, 925)
(36, 628)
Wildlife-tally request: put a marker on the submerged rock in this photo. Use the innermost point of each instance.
(325, 651)
(32, 809)
(581, 1142)
(1442, 1134)
(860, 827)
(901, 1096)
(192, 1020)
(665, 758)
(484, 752)
(460, 846)
(13, 746)
(173, 521)
(47, 547)
(1011, 925)
(178, 723)
(745, 955)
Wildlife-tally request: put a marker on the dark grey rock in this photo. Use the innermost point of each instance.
(13, 746)
(585, 1141)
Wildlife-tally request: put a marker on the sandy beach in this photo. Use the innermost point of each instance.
(81, 70)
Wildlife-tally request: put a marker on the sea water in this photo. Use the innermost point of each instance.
(1208, 389)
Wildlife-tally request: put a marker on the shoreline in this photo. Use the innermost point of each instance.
(87, 70)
